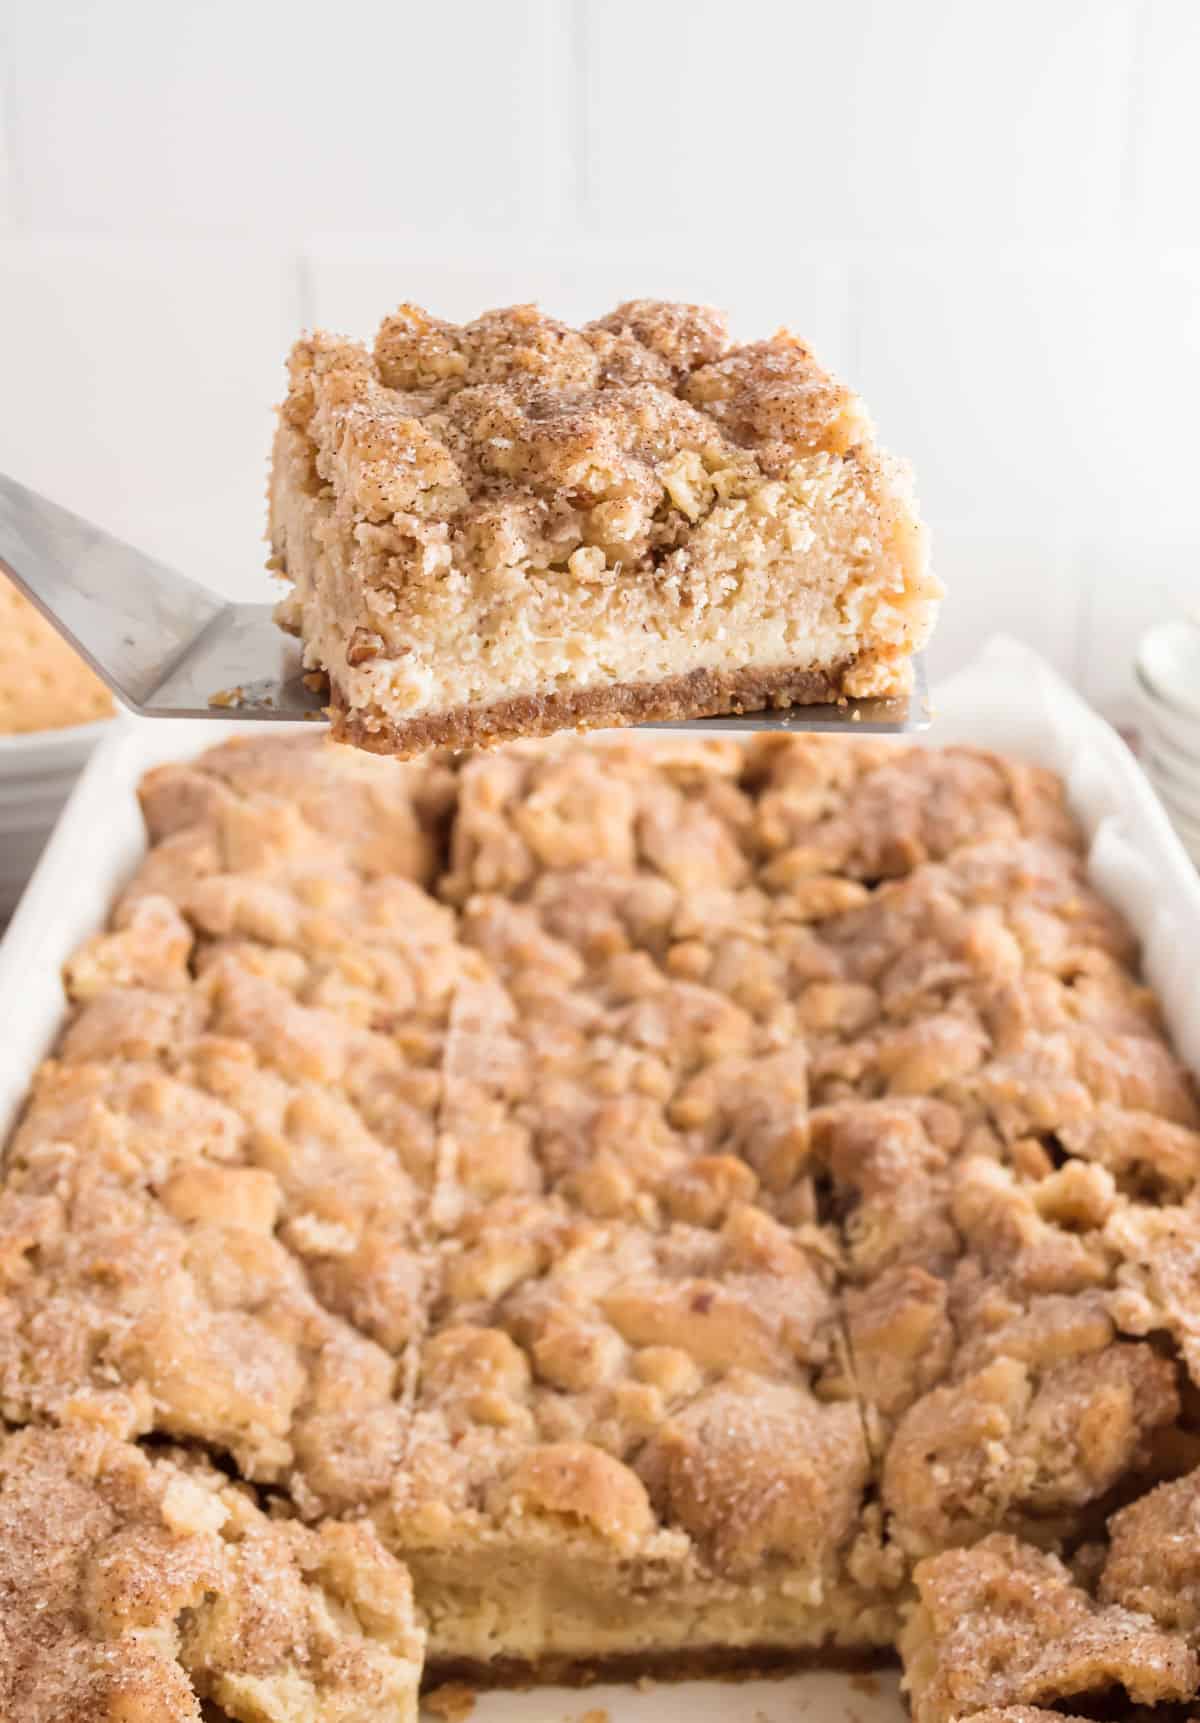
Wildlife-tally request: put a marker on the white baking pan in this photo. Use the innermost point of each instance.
(1009, 699)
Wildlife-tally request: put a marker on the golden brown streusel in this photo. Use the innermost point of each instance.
(1003, 1625)
(134, 1588)
(1153, 1560)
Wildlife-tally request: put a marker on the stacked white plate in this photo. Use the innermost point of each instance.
(1168, 680)
(37, 774)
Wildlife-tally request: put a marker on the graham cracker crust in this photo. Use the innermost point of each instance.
(744, 1663)
(698, 694)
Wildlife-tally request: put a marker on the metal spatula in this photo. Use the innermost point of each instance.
(169, 648)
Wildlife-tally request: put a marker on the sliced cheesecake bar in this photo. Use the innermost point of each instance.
(510, 527)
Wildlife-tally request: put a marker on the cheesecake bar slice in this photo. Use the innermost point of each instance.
(510, 527)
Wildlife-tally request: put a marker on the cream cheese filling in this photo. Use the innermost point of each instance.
(548, 638)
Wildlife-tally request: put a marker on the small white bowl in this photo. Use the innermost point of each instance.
(1172, 762)
(1167, 672)
(1168, 661)
(37, 774)
(14, 785)
(1175, 761)
(1183, 815)
(1191, 845)
(42, 752)
(1156, 738)
(1167, 676)
(1183, 809)
(1166, 729)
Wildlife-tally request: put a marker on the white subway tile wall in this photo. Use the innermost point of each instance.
(924, 120)
(985, 216)
(1028, 587)
(237, 116)
(1041, 392)
(1165, 147)
(6, 185)
(137, 379)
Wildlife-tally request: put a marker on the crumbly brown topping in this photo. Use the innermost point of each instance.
(1008, 1446)
(134, 1588)
(1153, 1560)
(518, 406)
(1003, 1625)
(731, 1167)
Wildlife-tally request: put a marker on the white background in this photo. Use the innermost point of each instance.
(986, 216)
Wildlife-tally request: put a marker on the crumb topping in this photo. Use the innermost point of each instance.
(1002, 1625)
(520, 439)
(136, 1588)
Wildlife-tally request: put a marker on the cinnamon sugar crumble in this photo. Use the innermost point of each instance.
(134, 1587)
(511, 526)
(702, 1201)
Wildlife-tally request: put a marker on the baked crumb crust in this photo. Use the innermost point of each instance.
(510, 525)
(688, 1204)
(746, 1663)
(700, 694)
